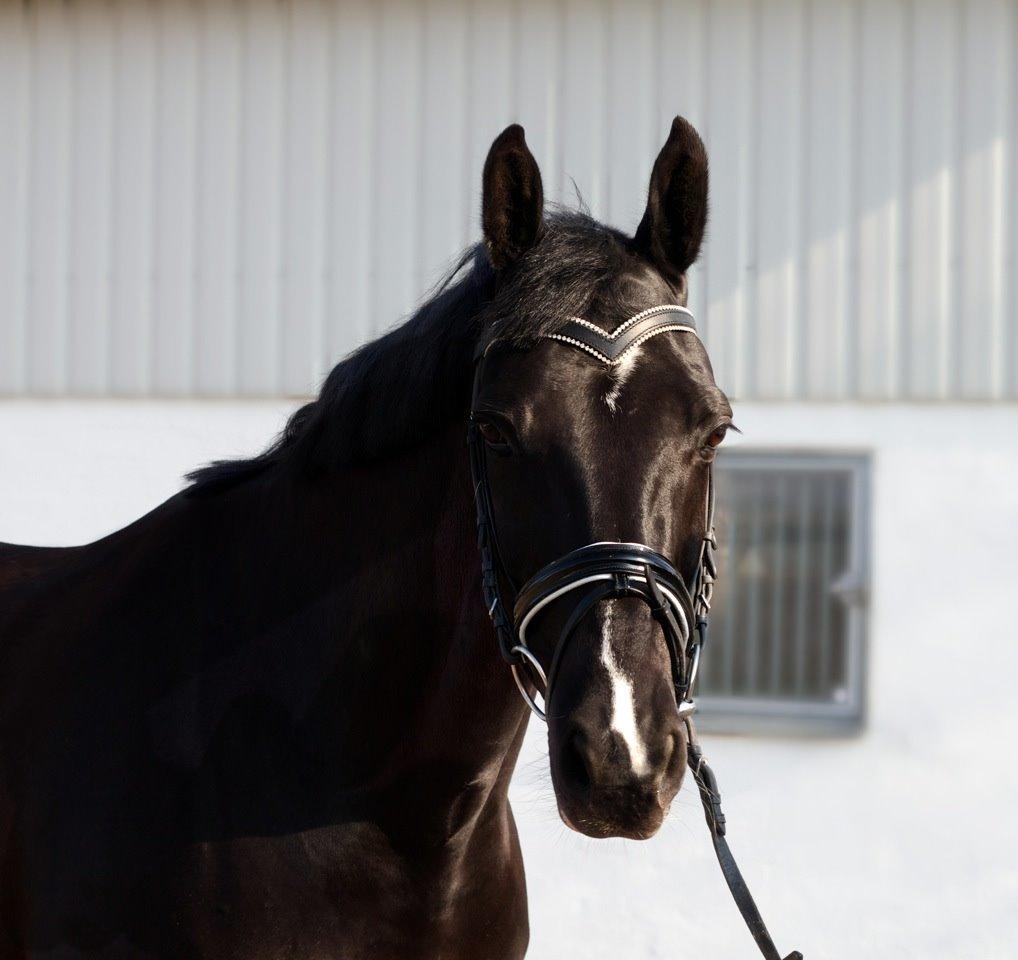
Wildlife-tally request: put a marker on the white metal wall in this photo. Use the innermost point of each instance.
(203, 198)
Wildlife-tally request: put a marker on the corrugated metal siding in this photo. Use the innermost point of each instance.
(223, 198)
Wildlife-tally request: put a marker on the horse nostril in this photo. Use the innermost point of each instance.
(575, 761)
(673, 755)
(673, 762)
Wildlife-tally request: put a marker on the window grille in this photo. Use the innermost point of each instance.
(788, 623)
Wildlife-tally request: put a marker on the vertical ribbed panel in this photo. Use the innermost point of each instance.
(133, 207)
(16, 51)
(212, 197)
(217, 219)
(51, 129)
(882, 208)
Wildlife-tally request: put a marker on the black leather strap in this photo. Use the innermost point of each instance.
(623, 570)
(623, 558)
(710, 797)
(611, 347)
(493, 569)
(579, 613)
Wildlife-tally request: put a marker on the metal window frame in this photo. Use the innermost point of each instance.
(786, 716)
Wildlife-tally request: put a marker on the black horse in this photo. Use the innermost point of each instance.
(269, 719)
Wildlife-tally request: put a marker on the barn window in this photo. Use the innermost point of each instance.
(788, 624)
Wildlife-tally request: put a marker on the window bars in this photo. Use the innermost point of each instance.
(789, 616)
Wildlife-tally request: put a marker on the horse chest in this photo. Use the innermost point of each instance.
(344, 892)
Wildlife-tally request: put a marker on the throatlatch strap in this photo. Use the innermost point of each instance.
(711, 799)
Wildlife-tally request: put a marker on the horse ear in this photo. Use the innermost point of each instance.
(673, 225)
(513, 201)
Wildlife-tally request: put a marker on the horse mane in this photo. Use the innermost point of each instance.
(399, 389)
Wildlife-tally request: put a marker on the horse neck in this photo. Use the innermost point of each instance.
(383, 582)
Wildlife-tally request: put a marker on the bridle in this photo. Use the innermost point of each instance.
(606, 570)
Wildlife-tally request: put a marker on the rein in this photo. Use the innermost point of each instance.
(601, 571)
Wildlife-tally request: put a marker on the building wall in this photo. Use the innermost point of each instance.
(898, 842)
(205, 198)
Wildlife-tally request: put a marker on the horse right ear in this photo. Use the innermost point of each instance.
(513, 202)
(673, 226)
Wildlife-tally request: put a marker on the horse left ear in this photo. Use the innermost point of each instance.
(673, 226)
(513, 202)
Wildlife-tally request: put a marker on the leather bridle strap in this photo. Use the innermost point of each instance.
(710, 797)
(493, 569)
(603, 571)
(607, 571)
(611, 348)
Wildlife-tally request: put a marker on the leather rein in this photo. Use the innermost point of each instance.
(601, 571)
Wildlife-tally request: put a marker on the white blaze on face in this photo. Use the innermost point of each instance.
(623, 706)
(620, 371)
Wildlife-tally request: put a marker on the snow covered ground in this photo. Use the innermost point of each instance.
(901, 842)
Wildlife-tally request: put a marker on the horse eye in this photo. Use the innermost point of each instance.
(492, 435)
(714, 440)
